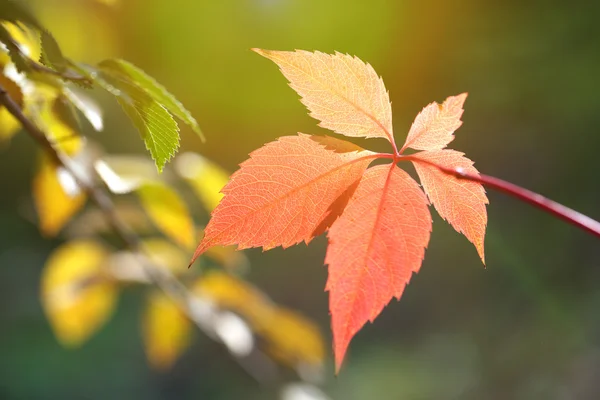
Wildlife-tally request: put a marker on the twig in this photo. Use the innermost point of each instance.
(161, 277)
(543, 203)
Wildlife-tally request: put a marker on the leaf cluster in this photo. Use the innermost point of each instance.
(38, 60)
(376, 218)
(83, 277)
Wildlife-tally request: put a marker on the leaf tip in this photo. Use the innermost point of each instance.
(262, 52)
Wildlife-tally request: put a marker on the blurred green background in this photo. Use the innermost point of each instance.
(525, 327)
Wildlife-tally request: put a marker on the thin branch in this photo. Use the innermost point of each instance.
(543, 203)
(161, 277)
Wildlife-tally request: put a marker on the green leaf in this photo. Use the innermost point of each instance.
(155, 90)
(155, 124)
(51, 54)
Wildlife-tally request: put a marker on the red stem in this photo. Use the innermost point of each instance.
(543, 203)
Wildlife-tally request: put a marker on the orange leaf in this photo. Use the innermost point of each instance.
(374, 248)
(434, 126)
(339, 90)
(460, 202)
(282, 194)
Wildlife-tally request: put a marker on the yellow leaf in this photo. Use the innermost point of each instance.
(205, 177)
(8, 124)
(28, 39)
(339, 90)
(168, 212)
(165, 330)
(165, 254)
(55, 125)
(54, 206)
(292, 339)
(235, 295)
(76, 295)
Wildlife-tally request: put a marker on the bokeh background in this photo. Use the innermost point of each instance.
(525, 327)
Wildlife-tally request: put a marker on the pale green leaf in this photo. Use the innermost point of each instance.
(155, 124)
(51, 54)
(152, 88)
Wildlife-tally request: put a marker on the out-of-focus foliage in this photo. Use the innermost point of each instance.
(77, 294)
(166, 331)
(170, 214)
(55, 204)
(205, 177)
(82, 278)
(289, 337)
(147, 103)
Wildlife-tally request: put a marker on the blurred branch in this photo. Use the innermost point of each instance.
(537, 200)
(264, 372)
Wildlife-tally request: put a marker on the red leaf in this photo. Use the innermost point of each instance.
(460, 202)
(434, 126)
(374, 247)
(378, 221)
(282, 194)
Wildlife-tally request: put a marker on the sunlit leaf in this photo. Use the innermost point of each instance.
(88, 107)
(165, 330)
(155, 124)
(8, 124)
(281, 195)
(55, 207)
(158, 92)
(341, 91)
(28, 41)
(434, 127)
(378, 221)
(57, 120)
(76, 295)
(460, 202)
(374, 248)
(14, 51)
(205, 177)
(168, 212)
